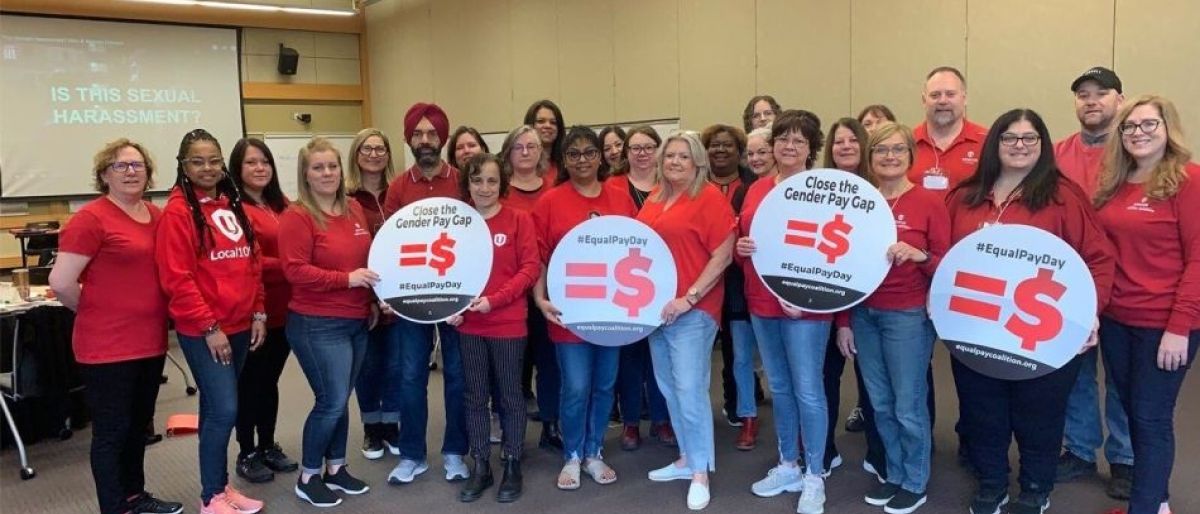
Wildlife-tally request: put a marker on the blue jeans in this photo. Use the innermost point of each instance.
(682, 354)
(894, 349)
(378, 384)
(589, 374)
(1149, 395)
(218, 385)
(634, 375)
(1082, 434)
(416, 345)
(793, 354)
(330, 352)
(744, 345)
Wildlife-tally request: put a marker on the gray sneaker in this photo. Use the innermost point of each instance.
(779, 479)
(456, 469)
(406, 471)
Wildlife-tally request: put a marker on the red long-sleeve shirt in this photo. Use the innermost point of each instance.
(266, 233)
(1068, 215)
(1080, 162)
(923, 222)
(559, 211)
(1157, 245)
(317, 262)
(516, 265)
(525, 200)
(412, 185)
(223, 284)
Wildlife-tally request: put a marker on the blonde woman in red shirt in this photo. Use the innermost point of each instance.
(1147, 199)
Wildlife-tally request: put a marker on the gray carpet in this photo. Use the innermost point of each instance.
(64, 482)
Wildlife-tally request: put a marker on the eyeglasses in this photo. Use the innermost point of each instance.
(200, 162)
(587, 155)
(124, 167)
(642, 149)
(1147, 126)
(798, 142)
(376, 150)
(763, 115)
(1008, 139)
(529, 148)
(884, 151)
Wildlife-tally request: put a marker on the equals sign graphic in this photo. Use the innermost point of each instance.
(979, 284)
(804, 227)
(407, 257)
(587, 270)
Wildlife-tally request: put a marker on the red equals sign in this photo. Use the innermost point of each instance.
(587, 270)
(413, 254)
(804, 227)
(979, 284)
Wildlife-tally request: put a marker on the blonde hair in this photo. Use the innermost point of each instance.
(353, 175)
(882, 132)
(699, 158)
(107, 155)
(1168, 173)
(305, 197)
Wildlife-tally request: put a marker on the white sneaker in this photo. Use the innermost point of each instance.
(456, 469)
(670, 472)
(812, 498)
(406, 471)
(779, 479)
(698, 496)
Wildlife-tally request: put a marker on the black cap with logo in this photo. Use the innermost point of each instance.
(1103, 76)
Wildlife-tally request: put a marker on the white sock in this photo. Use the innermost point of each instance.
(1164, 508)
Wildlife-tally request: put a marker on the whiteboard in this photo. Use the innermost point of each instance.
(286, 150)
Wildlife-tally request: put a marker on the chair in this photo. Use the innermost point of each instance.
(10, 388)
(45, 247)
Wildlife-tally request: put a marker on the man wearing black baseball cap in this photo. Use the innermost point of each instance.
(1097, 99)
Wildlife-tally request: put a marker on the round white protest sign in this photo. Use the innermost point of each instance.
(1013, 302)
(433, 257)
(611, 276)
(822, 239)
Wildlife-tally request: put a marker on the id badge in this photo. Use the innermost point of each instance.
(935, 180)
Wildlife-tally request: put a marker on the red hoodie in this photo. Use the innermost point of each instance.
(221, 283)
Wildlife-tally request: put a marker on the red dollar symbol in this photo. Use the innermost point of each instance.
(1049, 319)
(834, 234)
(443, 254)
(641, 284)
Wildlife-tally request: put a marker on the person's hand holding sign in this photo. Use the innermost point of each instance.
(454, 320)
(745, 246)
(1172, 351)
(791, 311)
(549, 311)
(902, 252)
(481, 305)
(363, 277)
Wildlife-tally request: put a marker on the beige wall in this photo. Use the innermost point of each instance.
(325, 59)
(700, 60)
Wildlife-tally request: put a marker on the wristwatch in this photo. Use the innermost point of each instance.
(693, 296)
(214, 328)
(259, 316)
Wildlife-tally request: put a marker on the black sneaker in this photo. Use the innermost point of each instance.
(1030, 503)
(278, 461)
(148, 504)
(316, 492)
(881, 494)
(905, 502)
(989, 501)
(372, 447)
(1071, 467)
(1121, 484)
(732, 419)
(345, 482)
(252, 468)
(855, 421)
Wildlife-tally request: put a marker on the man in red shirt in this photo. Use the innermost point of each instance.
(948, 146)
(1097, 99)
(426, 129)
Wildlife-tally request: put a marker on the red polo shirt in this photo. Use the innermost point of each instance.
(940, 170)
(412, 185)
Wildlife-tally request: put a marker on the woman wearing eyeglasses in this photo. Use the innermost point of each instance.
(760, 112)
(106, 258)
(1147, 202)
(892, 335)
(1017, 182)
(368, 174)
(526, 161)
(209, 268)
(589, 371)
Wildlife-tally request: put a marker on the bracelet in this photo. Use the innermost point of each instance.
(213, 329)
(259, 316)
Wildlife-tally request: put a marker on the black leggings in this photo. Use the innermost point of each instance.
(258, 393)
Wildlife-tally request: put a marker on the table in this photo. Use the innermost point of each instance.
(23, 235)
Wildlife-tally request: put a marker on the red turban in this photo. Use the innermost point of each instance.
(434, 114)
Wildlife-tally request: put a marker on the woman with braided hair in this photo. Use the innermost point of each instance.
(210, 272)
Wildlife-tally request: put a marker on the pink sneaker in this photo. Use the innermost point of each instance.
(241, 502)
(218, 504)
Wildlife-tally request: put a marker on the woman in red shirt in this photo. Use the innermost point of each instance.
(106, 258)
(493, 330)
(695, 220)
(1017, 182)
(465, 143)
(1147, 200)
(331, 310)
(547, 119)
(589, 371)
(252, 168)
(209, 268)
(368, 174)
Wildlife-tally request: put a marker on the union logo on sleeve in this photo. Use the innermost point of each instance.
(500, 239)
(227, 224)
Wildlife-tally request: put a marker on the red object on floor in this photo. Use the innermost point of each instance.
(182, 424)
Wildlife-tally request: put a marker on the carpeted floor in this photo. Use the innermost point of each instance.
(64, 482)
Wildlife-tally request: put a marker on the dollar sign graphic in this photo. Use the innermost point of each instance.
(443, 254)
(834, 244)
(1049, 319)
(641, 284)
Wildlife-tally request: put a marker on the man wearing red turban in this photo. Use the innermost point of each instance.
(426, 130)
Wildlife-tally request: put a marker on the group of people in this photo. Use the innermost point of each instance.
(248, 276)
